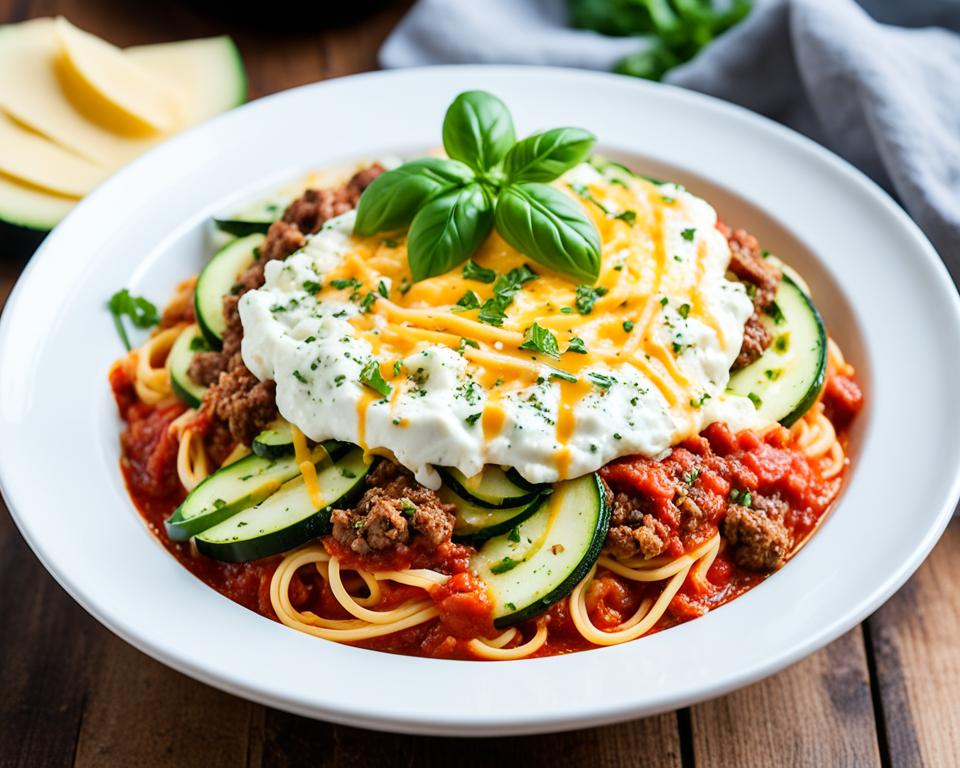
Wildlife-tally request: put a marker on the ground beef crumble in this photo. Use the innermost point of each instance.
(748, 264)
(394, 510)
(239, 403)
(757, 533)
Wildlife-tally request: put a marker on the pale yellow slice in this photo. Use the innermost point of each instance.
(31, 207)
(131, 97)
(31, 91)
(29, 157)
(207, 73)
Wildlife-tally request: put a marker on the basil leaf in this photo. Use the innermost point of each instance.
(478, 130)
(548, 226)
(370, 376)
(393, 198)
(545, 156)
(447, 230)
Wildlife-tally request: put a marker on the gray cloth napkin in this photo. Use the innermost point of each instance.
(886, 98)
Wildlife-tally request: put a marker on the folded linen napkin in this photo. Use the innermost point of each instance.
(885, 97)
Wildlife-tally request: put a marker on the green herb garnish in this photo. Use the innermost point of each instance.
(142, 313)
(370, 376)
(490, 180)
(538, 339)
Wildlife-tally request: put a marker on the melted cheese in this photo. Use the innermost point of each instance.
(664, 329)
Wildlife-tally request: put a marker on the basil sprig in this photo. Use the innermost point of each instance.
(490, 180)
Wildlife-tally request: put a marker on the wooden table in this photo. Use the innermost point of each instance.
(886, 693)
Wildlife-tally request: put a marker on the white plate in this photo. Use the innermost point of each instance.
(883, 291)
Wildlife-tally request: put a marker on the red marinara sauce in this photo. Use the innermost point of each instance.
(718, 459)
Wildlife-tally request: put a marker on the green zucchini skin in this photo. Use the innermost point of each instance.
(502, 520)
(216, 280)
(275, 441)
(181, 354)
(791, 394)
(527, 493)
(299, 523)
(594, 528)
(241, 227)
(231, 489)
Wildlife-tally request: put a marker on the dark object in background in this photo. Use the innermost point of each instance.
(676, 30)
(18, 242)
(295, 16)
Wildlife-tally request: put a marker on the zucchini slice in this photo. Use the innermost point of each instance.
(541, 560)
(475, 523)
(178, 361)
(242, 227)
(275, 441)
(491, 488)
(785, 381)
(288, 518)
(230, 489)
(217, 280)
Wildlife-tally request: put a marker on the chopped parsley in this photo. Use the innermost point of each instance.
(587, 296)
(563, 376)
(773, 373)
(757, 402)
(397, 367)
(539, 339)
(663, 301)
(698, 403)
(300, 377)
(493, 310)
(473, 271)
(473, 418)
(465, 342)
(628, 217)
(407, 508)
(142, 313)
(469, 300)
(341, 283)
(514, 534)
(311, 286)
(566, 310)
(368, 301)
(773, 309)
(688, 234)
(370, 376)
(628, 325)
(684, 311)
(507, 564)
(383, 290)
(600, 380)
(743, 498)
(691, 477)
(577, 345)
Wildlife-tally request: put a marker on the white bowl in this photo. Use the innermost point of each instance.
(882, 290)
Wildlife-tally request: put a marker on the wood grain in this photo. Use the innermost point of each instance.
(295, 741)
(916, 646)
(818, 712)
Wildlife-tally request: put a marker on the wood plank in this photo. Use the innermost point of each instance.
(818, 712)
(916, 651)
(44, 645)
(296, 741)
(139, 711)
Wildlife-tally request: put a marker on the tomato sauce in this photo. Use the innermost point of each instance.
(719, 462)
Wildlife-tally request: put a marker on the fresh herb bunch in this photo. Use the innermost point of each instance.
(678, 28)
(489, 180)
